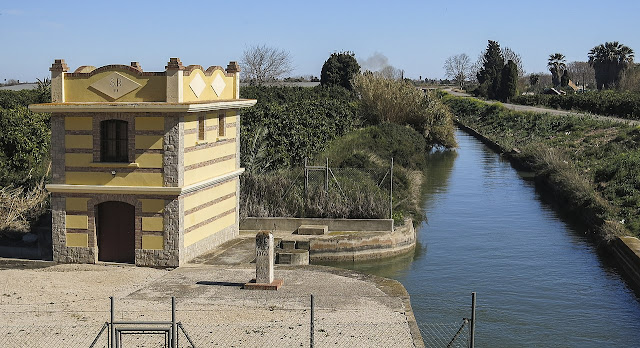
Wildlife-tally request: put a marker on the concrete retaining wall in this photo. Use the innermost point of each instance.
(291, 224)
(363, 246)
(627, 252)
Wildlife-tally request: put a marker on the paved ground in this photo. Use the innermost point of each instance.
(42, 301)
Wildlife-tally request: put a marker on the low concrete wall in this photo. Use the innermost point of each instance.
(627, 252)
(363, 246)
(281, 224)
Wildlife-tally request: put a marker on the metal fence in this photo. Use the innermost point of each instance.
(289, 321)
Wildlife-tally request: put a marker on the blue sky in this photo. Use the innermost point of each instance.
(416, 36)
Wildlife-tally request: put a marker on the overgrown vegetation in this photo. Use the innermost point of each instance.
(612, 103)
(396, 101)
(291, 124)
(592, 166)
(24, 159)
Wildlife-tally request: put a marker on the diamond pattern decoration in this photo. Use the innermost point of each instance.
(115, 85)
(218, 85)
(197, 85)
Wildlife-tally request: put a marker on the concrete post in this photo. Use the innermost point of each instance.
(264, 257)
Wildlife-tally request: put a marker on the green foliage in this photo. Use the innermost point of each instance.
(13, 99)
(609, 60)
(388, 140)
(292, 123)
(612, 103)
(386, 100)
(533, 79)
(564, 80)
(556, 66)
(339, 70)
(490, 73)
(509, 81)
(593, 166)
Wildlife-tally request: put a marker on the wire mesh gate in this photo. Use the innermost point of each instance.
(114, 334)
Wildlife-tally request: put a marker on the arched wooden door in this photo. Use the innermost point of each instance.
(115, 223)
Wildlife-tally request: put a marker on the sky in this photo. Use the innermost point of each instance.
(415, 36)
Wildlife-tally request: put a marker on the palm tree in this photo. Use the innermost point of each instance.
(557, 66)
(609, 60)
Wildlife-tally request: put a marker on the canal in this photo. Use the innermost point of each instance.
(539, 281)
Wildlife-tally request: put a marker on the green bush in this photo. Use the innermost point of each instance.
(288, 125)
(24, 147)
(611, 103)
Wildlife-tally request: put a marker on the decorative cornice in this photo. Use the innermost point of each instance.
(233, 67)
(143, 106)
(174, 64)
(143, 190)
(59, 65)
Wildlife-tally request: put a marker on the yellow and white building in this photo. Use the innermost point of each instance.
(145, 165)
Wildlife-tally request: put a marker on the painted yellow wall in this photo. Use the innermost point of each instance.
(80, 222)
(152, 205)
(209, 229)
(153, 88)
(78, 159)
(149, 123)
(151, 242)
(207, 93)
(196, 175)
(120, 179)
(206, 154)
(76, 204)
(191, 123)
(78, 141)
(77, 240)
(152, 224)
(144, 142)
(208, 195)
(78, 123)
(149, 160)
(208, 212)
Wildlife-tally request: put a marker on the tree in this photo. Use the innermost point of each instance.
(556, 66)
(263, 64)
(398, 101)
(339, 70)
(490, 73)
(458, 67)
(564, 79)
(610, 60)
(508, 81)
(583, 73)
(533, 79)
(508, 54)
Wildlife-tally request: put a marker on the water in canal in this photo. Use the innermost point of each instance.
(539, 281)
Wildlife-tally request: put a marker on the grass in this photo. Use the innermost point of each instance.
(592, 167)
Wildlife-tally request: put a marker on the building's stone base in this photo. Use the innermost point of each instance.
(157, 258)
(74, 255)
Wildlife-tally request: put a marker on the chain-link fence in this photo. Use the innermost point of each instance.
(277, 321)
(320, 191)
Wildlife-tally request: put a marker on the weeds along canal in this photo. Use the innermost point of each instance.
(539, 281)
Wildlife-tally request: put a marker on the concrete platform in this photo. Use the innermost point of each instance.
(352, 309)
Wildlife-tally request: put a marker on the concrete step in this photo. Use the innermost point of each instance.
(292, 257)
(313, 229)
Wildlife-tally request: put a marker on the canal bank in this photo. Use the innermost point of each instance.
(538, 278)
(605, 234)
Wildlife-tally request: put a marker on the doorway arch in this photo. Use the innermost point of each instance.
(115, 229)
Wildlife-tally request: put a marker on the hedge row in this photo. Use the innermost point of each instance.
(610, 103)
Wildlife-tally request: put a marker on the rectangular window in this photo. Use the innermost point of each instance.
(114, 141)
(201, 127)
(221, 125)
